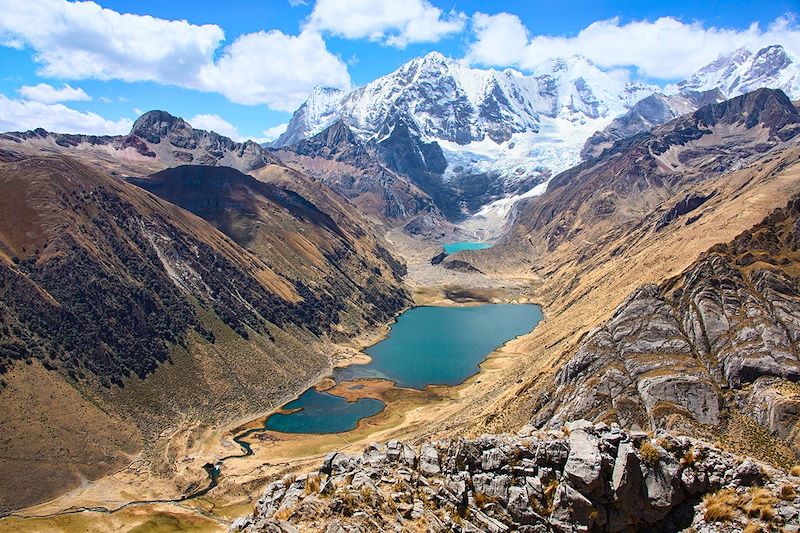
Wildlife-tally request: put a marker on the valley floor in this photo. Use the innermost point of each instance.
(136, 496)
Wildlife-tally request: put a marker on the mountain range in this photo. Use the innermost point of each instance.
(501, 133)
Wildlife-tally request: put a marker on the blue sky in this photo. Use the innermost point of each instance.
(242, 66)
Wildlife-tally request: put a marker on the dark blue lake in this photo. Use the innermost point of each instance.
(426, 346)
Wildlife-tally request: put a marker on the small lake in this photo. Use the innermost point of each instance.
(426, 346)
(453, 247)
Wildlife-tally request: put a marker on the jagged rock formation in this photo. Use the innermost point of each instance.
(399, 176)
(730, 322)
(156, 140)
(597, 478)
(358, 171)
(138, 316)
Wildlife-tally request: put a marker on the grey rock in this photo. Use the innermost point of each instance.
(429, 460)
(748, 473)
(584, 463)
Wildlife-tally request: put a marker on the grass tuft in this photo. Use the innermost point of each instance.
(312, 484)
(759, 504)
(721, 506)
(649, 454)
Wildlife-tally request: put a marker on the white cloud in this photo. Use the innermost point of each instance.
(47, 94)
(664, 48)
(392, 22)
(215, 123)
(81, 40)
(270, 134)
(275, 68)
(26, 114)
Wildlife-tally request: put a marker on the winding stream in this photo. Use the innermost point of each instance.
(426, 346)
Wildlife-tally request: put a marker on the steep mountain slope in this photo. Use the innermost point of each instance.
(669, 354)
(637, 174)
(143, 319)
(156, 140)
(323, 243)
(730, 75)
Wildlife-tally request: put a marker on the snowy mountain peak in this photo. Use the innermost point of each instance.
(444, 99)
(743, 71)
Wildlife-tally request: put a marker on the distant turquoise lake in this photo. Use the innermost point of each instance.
(426, 346)
(453, 247)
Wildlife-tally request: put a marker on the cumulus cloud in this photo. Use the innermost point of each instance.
(664, 48)
(391, 22)
(47, 94)
(81, 40)
(213, 122)
(26, 114)
(275, 68)
(270, 134)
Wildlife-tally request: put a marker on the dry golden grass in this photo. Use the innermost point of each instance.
(788, 492)
(312, 484)
(759, 504)
(284, 514)
(795, 471)
(752, 527)
(482, 500)
(721, 506)
(649, 453)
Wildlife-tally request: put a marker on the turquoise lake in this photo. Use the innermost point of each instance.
(426, 346)
(453, 247)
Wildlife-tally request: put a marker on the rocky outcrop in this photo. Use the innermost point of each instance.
(585, 478)
(731, 321)
(686, 205)
(361, 172)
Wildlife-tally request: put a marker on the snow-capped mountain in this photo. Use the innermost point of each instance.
(503, 133)
(728, 76)
(446, 100)
(504, 128)
(743, 71)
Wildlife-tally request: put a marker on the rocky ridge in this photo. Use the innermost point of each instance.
(156, 140)
(636, 175)
(728, 76)
(583, 478)
(720, 338)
